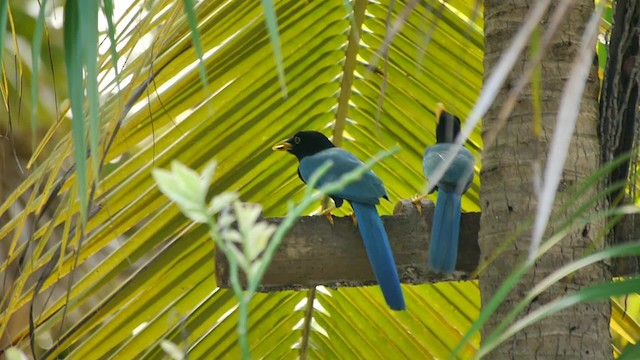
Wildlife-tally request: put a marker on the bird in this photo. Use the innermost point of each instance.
(313, 149)
(445, 229)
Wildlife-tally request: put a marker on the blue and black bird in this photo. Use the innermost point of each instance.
(313, 149)
(443, 247)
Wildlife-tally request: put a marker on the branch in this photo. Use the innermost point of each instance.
(316, 253)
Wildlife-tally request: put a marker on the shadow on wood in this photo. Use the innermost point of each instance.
(316, 253)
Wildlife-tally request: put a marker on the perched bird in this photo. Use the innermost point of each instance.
(443, 247)
(313, 149)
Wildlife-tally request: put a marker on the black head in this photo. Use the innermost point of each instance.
(304, 143)
(448, 126)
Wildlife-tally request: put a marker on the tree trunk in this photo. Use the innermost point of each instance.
(508, 199)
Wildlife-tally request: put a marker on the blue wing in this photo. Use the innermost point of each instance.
(443, 247)
(379, 251)
(363, 195)
(457, 178)
(367, 190)
(445, 231)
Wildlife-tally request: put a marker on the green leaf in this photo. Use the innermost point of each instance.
(142, 261)
(195, 34)
(272, 25)
(88, 42)
(35, 60)
(74, 62)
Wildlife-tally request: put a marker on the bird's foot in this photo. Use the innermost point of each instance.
(327, 214)
(353, 218)
(417, 201)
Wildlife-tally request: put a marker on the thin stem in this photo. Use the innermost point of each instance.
(243, 318)
(243, 310)
(306, 327)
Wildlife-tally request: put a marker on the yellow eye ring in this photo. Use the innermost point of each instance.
(296, 140)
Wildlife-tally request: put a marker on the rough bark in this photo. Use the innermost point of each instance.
(508, 200)
(620, 98)
(619, 117)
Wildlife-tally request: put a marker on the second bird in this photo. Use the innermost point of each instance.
(313, 149)
(443, 247)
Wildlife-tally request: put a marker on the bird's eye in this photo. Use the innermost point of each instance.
(296, 140)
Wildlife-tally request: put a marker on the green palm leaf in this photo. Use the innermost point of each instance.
(144, 273)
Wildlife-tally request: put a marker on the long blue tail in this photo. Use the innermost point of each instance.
(443, 247)
(379, 252)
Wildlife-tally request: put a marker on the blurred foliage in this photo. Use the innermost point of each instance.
(142, 273)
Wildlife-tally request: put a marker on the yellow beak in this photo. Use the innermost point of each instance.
(283, 145)
(439, 110)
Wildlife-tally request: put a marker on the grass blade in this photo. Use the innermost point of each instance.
(73, 62)
(272, 26)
